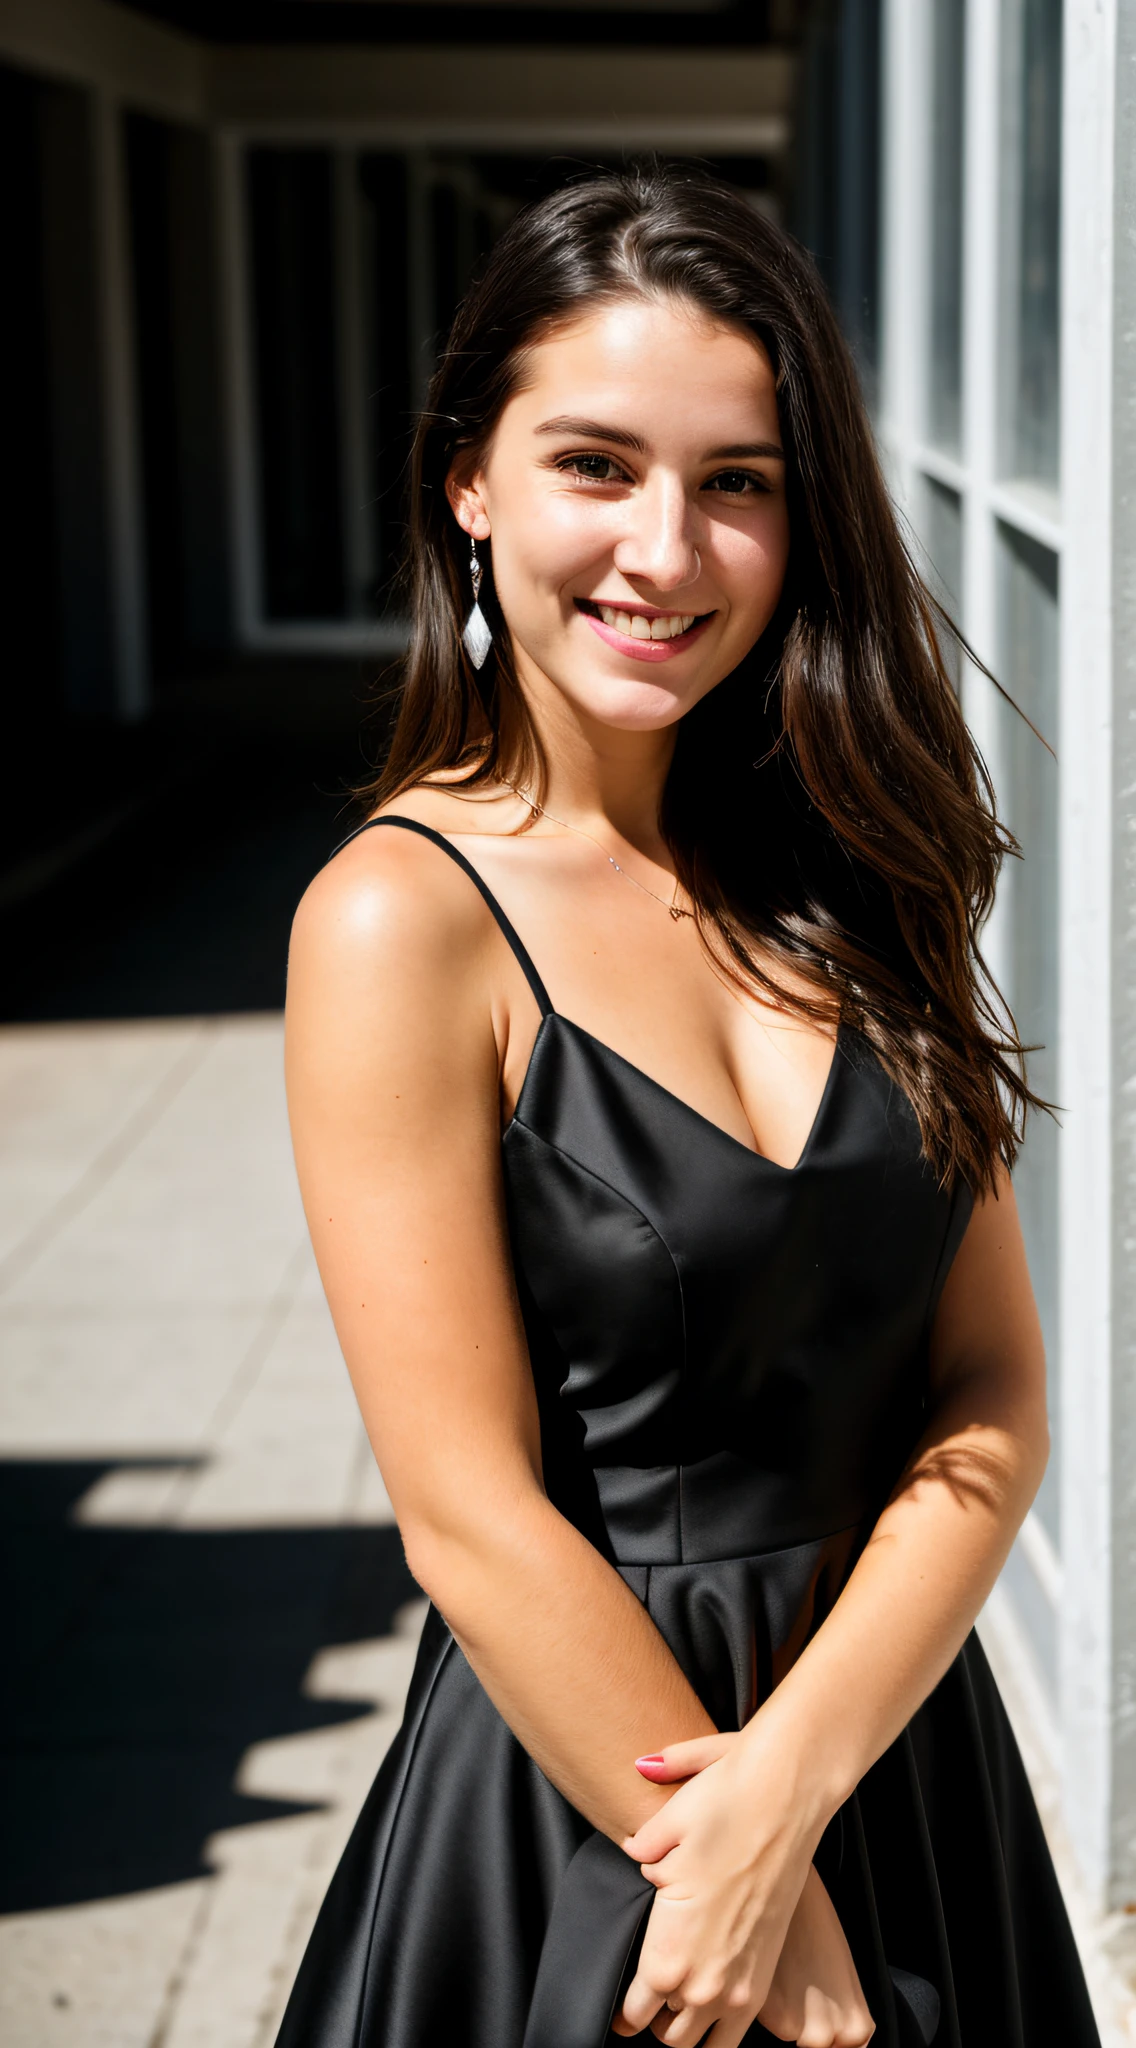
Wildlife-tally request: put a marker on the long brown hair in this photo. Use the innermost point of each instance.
(826, 808)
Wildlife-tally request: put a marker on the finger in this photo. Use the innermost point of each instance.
(834, 2024)
(639, 2007)
(684, 2028)
(776, 2020)
(731, 2031)
(682, 1759)
(855, 2032)
(822, 2025)
(655, 1839)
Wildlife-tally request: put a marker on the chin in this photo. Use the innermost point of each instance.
(638, 711)
(629, 705)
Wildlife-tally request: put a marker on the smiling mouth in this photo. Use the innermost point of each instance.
(643, 625)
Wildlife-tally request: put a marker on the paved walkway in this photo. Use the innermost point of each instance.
(211, 1621)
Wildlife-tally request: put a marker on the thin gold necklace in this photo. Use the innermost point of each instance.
(538, 811)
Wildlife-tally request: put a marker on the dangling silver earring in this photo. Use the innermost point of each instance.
(476, 637)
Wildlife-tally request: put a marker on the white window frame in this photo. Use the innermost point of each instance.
(1075, 1726)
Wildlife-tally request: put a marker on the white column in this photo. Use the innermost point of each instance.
(125, 536)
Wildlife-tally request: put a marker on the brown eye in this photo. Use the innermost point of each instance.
(736, 482)
(597, 469)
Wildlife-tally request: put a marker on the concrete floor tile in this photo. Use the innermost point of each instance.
(65, 1089)
(97, 1975)
(237, 1972)
(289, 1454)
(155, 1238)
(117, 1381)
(205, 1208)
(72, 1099)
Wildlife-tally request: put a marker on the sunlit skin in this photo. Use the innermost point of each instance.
(409, 1030)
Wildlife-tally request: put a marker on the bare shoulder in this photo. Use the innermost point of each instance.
(390, 1028)
(388, 896)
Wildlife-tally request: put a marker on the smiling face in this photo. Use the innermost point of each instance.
(634, 494)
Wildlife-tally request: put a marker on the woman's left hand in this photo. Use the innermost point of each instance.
(742, 1927)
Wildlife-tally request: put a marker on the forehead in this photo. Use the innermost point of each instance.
(661, 365)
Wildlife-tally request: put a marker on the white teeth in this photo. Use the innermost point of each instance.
(638, 627)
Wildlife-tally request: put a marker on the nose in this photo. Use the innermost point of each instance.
(657, 546)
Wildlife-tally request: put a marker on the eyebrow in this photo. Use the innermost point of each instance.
(747, 450)
(595, 430)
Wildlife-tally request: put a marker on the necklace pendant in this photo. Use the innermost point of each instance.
(676, 911)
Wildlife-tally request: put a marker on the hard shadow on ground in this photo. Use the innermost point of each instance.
(142, 1663)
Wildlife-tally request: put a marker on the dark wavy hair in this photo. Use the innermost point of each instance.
(826, 807)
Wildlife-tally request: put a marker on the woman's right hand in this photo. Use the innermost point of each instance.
(714, 1887)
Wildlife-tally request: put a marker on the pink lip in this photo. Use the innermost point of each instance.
(646, 650)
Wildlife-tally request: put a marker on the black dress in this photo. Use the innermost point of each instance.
(729, 1358)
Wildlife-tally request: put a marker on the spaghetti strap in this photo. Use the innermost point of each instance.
(427, 832)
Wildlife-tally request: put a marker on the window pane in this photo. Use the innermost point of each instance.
(1027, 792)
(942, 539)
(294, 354)
(944, 309)
(1030, 269)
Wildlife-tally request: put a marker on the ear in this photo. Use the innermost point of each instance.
(466, 495)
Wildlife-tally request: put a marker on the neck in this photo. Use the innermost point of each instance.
(600, 777)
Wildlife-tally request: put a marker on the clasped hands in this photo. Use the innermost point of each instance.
(741, 1926)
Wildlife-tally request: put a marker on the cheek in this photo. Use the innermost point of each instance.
(558, 541)
(750, 565)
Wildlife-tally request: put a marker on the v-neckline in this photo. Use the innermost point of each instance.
(549, 1013)
(679, 1101)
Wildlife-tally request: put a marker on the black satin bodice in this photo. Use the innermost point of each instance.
(729, 1354)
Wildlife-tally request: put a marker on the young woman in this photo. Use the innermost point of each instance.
(654, 1126)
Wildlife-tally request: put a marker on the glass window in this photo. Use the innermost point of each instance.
(294, 354)
(1031, 226)
(942, 539)
(1026, 777)
(944, 297)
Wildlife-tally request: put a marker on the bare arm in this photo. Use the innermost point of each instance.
(393, 1070)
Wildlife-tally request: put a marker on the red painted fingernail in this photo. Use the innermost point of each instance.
(648, 1763)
